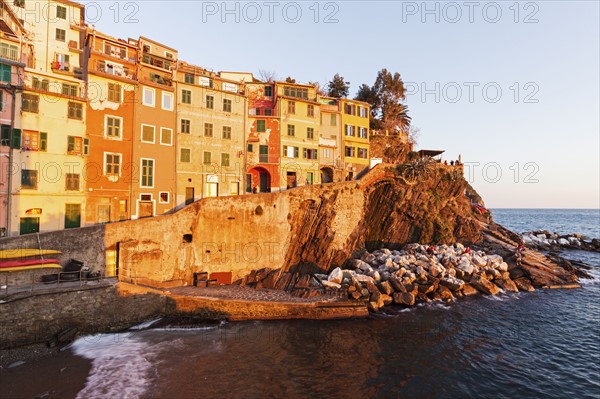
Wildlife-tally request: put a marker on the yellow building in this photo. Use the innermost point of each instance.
(355, 136)
(211, 117)
(331, 163)
(49, 181)
(300, 126)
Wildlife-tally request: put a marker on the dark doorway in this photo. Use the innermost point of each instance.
(291, 180)
(72, 216)
(189, 195)
(146, 209)
(326, 175)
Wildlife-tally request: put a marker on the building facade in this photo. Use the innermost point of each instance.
(355, 136)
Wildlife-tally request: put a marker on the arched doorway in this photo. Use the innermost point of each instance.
(326, 175)
(260, 180)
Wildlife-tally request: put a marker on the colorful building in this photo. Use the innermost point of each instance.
(111, 80)
(211, 115)
(15, 52)
(300, 119)
(355, 136)
(49, 177)
(154, 140)
(331, 163)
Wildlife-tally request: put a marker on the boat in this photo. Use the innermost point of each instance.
(25, 253)
(26, 262)
(31, 267)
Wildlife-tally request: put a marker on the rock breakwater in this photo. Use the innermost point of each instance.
(545, 240)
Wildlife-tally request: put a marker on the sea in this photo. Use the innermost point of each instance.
(544, 344)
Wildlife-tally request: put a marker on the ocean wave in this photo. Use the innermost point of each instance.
(144, 325)
(122, 365)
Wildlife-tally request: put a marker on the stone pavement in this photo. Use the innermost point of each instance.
(236, 292)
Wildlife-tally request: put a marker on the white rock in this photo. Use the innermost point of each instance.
(336, 276)
(465, 266)
(437, 270)
(503, 267)
(361, 278)
(330, 284)
(542, 237)
(574, 241)
(375, 275)
(479, 261)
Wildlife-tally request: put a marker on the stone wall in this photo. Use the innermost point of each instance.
(39, 317)
(316, 225)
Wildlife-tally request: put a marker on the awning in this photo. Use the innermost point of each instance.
(430, 153)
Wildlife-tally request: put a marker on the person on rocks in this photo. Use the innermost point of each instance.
(467, 250)
(451, 163)
(430, 250)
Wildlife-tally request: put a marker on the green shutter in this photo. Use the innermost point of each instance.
(16, 138)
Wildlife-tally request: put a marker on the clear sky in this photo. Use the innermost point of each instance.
(511, 86)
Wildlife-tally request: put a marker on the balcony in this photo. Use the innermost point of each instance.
(159, 79)
(329, 108)
(159, 62)
(60, 66)
(113, 70)
(9, 52)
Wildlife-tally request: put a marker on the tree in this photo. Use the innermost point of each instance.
(413, 134)
(267, 76)
(318, 87)
(338, 87)
(289, 79)
(386, 98)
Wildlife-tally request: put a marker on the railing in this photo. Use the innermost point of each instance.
(63, 280)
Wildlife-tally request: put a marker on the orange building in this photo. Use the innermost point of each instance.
(111, 65)
(154, 156)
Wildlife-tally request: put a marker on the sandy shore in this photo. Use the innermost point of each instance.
(45, 373)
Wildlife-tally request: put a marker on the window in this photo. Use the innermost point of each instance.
(186, 96)
(333, 120)
(40, 84)
(349, 151)
(362, 153)
(291, 107)
(113, 126)
(208, 130)
(185, 155)
(167, 101)
(210, 102)
(61, 62)
(164, 197)
(115, 51)
(226, 105)
(326, 152)
(263, 151)
(261, 126)
(250, 148)
(19, 3)
(227, 132)
(309, 178)
(147, 170)
(363, 112)
(61, 12)
(86, 146)
(148, 133)
(30, 140)
(291, 130)
(204, 81)
(185, 126)
(349, 109)
(72, 216)
(297, 92)
(207, 158)
(61, 35)
(43, 142)
(74, 145)
(114, 93)
(69, 90)
(309, 153)
(268, 112)
(290, 152)
(9, 51)
(310, 110)
(72, 182)
(75, 110)
(30, 103)
(29, 179)
(189, 78)
(5, 73)
(166, 136)
(310, 133)
(148, 96)
(268, 91)
(362, 132)
(224, 159)
(349, 130)
(112, 164)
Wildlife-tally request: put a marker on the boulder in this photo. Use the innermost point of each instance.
(355, 295)
(478, 260)
(386, 299)
(437, 270)
(563, 242)
(403, 298)
(426, 288)
(524, 284)
(336, 276)
(507, 285)
(354, 264)
(396, 284)
(444, 293)
(385, 288)
(516, 273)
(453, 283)
(361, 278)
(469, 290)
(465, 266)
(484, 285)
(330, 284)
(374, 275)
